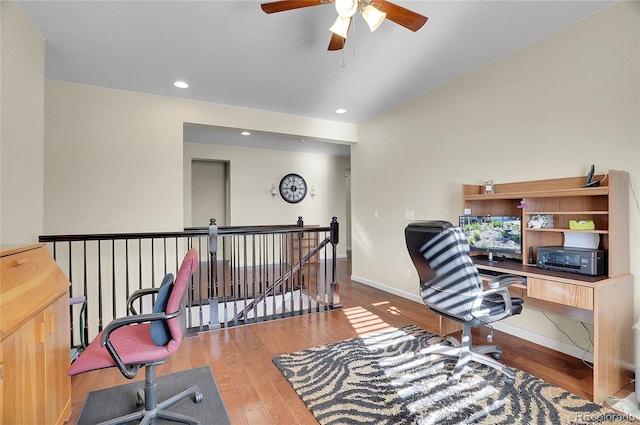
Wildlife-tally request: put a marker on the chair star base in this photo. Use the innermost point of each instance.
(465, 353)
(154, 410)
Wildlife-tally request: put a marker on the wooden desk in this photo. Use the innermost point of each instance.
(34, 338)
(605, 302)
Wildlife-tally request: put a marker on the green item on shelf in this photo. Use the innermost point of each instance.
(581, 225)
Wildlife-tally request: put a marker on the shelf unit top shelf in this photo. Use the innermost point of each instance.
(544, 193)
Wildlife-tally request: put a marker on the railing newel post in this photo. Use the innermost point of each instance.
(334, 301)
(214, 322)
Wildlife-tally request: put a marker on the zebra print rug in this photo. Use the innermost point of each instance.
(379, 379)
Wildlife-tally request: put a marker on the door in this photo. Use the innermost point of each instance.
(209, 189)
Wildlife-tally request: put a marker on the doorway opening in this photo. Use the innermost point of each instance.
(209, 192)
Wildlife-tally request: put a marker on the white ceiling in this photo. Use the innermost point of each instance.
(195, 133)
(231, 52)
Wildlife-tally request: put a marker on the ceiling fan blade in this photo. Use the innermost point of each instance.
(401, 16)
(336, 42)
(284, 5)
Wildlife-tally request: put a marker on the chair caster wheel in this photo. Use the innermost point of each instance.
(139, 399)
(453, 381)
(198, 397)
(509, 381)
(497, 356)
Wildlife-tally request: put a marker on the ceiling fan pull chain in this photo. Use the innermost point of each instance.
(355, 38)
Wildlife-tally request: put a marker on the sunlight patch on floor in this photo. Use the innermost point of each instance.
(413, 375)
(364, 321)
(394, 310)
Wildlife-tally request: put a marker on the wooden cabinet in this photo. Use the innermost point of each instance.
(34, 338)
(605, 301)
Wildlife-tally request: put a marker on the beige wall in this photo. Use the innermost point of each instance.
(114, 159)
(548, 110)
(252, 171)
(21, 127)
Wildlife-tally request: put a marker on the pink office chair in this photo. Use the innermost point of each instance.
(145, 340)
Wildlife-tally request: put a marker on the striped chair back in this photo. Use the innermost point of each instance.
(449, 281)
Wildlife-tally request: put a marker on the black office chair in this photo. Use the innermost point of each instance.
(451, 286)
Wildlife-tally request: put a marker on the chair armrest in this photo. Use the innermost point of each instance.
(500, 285)
(129, 371)
(139, 294)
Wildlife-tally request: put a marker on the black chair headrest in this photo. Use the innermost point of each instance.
(417, 234)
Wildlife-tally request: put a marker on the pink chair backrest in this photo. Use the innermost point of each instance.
(188, 266)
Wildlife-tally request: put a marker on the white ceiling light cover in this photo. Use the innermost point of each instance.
(373, 17)
(347, 8)
(341, 26)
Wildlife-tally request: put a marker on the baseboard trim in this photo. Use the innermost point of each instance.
(516, 331)
(386, 288)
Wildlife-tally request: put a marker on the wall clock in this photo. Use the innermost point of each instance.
(293, 188)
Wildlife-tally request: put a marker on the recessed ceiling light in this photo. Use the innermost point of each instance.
(181, 84)
(341, 111)
(246, 133)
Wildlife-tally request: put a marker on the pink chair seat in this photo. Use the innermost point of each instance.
(134, 345)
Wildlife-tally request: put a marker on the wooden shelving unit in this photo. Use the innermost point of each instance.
(606, 301)
(565, 199)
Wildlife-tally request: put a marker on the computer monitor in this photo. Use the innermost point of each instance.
(499, 234)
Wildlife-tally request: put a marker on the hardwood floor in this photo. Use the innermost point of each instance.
(255, 392)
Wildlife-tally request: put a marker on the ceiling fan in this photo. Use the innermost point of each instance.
(374, 13)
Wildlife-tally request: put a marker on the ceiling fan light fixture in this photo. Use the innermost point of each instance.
(373, 16)
(341, 26)
(347, 8)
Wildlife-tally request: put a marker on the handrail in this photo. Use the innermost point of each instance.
(289, 273)
(189, 231)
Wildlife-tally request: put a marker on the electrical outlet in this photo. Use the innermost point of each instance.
(409, 215)
(375, 215)
(407, 273)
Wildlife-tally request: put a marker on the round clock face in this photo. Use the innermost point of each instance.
(293, 188)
